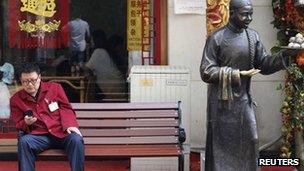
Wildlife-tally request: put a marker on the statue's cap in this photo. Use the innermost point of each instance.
(235, 4)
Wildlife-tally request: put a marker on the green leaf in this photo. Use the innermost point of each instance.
(279, 87)
(275, 49)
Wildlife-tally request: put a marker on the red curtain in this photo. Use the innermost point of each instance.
(23, 40)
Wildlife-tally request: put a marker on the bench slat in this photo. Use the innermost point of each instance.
(123, 151)
(128, 132)
(8, 141)
(127, 123)
(127, 114)
(8, 148)
(132, 140)
(124, 106)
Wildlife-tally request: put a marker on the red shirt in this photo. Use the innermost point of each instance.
(55, 122)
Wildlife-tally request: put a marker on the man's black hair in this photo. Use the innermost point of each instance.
(100, 39)
(27, 68)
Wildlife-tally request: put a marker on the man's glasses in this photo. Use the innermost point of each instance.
(32, 81)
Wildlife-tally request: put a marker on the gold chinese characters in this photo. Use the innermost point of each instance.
(42, 9)
(39, 7)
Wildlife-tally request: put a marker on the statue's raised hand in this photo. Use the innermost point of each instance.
(250, 72)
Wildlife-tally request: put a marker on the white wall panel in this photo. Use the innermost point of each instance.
(164, 84)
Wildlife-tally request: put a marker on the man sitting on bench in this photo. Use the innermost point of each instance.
(44, 119)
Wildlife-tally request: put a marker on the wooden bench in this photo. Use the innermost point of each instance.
(125, 130)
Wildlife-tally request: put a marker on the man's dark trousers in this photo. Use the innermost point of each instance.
(31, 145)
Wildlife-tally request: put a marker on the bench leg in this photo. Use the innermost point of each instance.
(181, 162)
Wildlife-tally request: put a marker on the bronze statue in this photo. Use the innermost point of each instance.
(232, 55)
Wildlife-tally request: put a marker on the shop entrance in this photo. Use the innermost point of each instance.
(29, 34)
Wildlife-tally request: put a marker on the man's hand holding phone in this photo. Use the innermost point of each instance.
(29, 119)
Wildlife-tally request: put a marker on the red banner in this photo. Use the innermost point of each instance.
(20, 38)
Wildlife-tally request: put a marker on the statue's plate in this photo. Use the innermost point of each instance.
(287, 47)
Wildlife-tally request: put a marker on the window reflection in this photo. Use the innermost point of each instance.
(30, 35)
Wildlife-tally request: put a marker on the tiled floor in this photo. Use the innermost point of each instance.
(195, 164)
(194, 161)
(64, 166)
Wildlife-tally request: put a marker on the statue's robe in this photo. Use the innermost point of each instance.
(232, 140)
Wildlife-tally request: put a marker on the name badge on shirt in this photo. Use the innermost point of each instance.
(53, 106)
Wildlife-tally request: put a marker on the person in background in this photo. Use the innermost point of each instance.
(232, 56)
(79, 35)
(116, 51)
(7, 76)
(109, 78)
(45, 119)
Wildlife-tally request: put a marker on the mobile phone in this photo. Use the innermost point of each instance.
(29, 113)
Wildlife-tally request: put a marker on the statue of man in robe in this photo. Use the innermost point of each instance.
(232, 55)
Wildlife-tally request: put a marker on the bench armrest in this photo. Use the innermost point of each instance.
(181, 135)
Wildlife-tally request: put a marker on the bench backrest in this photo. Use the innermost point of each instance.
(129, 123)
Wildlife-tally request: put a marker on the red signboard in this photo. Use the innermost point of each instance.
(26, 14)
